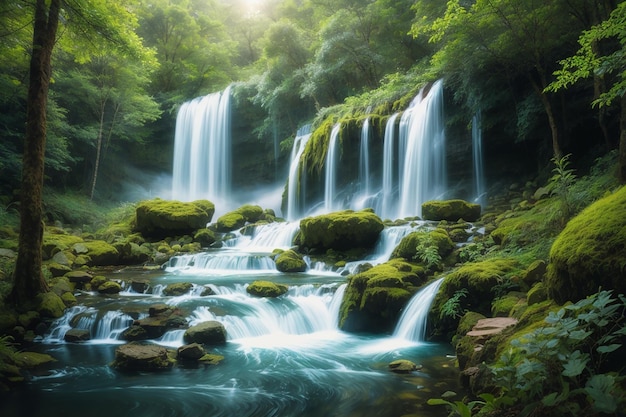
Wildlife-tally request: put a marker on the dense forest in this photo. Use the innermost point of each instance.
(91, 89)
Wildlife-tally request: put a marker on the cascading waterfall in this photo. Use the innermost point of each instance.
(424, 168)
(295, 198)
(202, 154)
(389, 159)
(332, 159)
(477, 156)
(412, 323)
(364, 163)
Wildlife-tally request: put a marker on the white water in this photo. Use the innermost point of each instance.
(332, 159)
(424, 168)
(389, 158)
(477, 156)
(202, 154)
(412, 323)
(295, 198)
(364, 159)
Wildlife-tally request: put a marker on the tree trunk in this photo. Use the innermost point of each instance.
(28, 278)
(98, 151)
(622, 141)
(547, 106)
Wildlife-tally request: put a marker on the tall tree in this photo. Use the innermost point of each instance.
(28, 278)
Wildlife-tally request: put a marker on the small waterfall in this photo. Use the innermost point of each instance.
(294, 196)
(202, 154)
(389, 158)
(477, 156)
(424, 167)
(268, 237)
(110, 326)
(104, 329)
(223, 262)
(364, 160)
(412, 323)
(332, 159)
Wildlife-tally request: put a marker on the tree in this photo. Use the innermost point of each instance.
(588, 62)
(28, 278)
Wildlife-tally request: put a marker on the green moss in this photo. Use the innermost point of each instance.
(314, 153)
(537, 294)
(205, 237)
(31, 360)
(50, 305)
(503, 306)
(266, 289)
(101, 253)
(57, 242)
(178, 288)
(230, 221)
(290, 261)
(160, 218)
(374, 298)
(109, 287)
(451, 210)
(341, 230)
(589, 253)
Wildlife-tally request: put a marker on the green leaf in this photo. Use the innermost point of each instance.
(600, 390)
(550, 400)
(438, 401)
(575, 364)
(609, 348)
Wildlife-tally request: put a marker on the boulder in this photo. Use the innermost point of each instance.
(99, 252)
(589, 253)
(161, 319)
(192, 352)
(341, 230)
(79, 277)
(375, 297)
(76, 335)
(207, 333)
(178, 288)
(236, 219)
(50, 305)
(411, 246)
(488, 327)
(290, 261)
(161, 218)
(109, 287)
(450, 210)
(205, 237)
(266, 289)
(403, 366)
(137, 357)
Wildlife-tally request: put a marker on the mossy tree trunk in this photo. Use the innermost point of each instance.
(28, 278)
(622, 141)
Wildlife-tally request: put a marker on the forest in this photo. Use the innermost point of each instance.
(91, 90)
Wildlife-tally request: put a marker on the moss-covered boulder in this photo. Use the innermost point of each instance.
(414, 245)
(161, 318)
(374, 298)
(207, 333)
(160, 218)
(138, 357)
(205, 237)
(99, 252)
(266, 289)
(55, 241)
(341, 230)
(290, 261)
(471, 287)
(109, 287)
(50, 305)
(590, 252)
(451, 210)
(236, 219)
(178, 288)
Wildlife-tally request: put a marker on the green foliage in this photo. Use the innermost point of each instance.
(560, 185)
(560, 369)
(457, 408)
(452, 308)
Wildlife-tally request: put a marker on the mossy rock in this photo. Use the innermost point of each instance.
(266, 289)
(450, 210)
(50, 305)
(57, 242)
(408, 248)
(341, 230)
(503, 306)
(100, 253)
(290, 261)
(537, 294)
(137, 357)
(534, 273)
(589, 253)
(205, 237)
(230, 221)
(29, 360)
(160, 218)
(109, 287)
(207, 333)
(478, 278)
(374, 298)
(178, 288)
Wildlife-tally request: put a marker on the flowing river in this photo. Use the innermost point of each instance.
(284, 356)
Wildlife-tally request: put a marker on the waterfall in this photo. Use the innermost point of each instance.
(424, 168)
(332, 159)
(477, 156)
(412, 323)
(104, 329)
(295, 196)
(202, 154)
(364, 160)
(389, 158)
